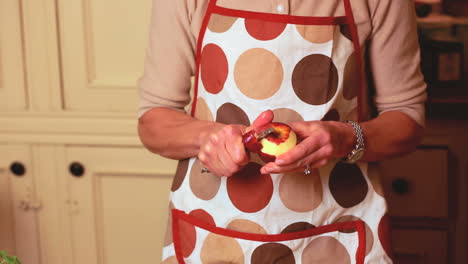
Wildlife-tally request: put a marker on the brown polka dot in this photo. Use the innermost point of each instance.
(168, 238)
(315, 79)
(188, 238)
(272, 253)
(202, 111)
(345, 29)
(350, 79)
(232, 114)
(347, 185)
(264, 30)
(384, 237)
(374, 177)
(203, 216)
(247, 226)
(369, 234)
(221, 249)
(204, 185)
(258, 73)
(249, 190)
(300, 192)
(286, 115)
(297, 227)
(332, 115)
(325, 250)
(316, 34)
(170, 260)
(179, 176)
(220, 23)
(214, 68)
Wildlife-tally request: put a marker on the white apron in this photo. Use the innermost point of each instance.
(303, 68)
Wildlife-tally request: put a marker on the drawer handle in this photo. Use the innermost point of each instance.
(76, 169)
(17, 168)
(400, 186)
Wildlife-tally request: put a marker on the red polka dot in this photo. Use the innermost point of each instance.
(203, 216)
(188, 238)
(249, 190)
(384, 236)
(214, 68)
(264, 30)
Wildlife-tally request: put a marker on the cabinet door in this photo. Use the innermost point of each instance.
(18, 217)
(118, 204)
(12, 78)
(103, 45)
(420, 246)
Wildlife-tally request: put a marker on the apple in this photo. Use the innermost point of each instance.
(280, 140)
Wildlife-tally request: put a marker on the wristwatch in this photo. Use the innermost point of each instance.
(358, 151)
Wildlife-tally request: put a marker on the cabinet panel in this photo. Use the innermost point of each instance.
(119, 205)
(420, 246)
(12, 78)
(103, 45)
(17, 204)
(417, 185)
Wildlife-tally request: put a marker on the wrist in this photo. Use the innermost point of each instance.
(357, 151)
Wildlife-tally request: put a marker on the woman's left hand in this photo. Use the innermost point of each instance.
(319, 142)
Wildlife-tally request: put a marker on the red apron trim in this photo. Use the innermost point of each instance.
(287, 19)
(178, 215)
(357, 49)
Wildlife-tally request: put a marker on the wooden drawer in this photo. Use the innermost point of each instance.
(420, 246)
(417, 185)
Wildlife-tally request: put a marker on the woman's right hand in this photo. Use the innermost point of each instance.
(221, 149)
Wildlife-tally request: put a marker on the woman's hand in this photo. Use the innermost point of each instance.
(320, 141)
(221, 148)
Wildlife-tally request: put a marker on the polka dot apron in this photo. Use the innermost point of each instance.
(304, 68)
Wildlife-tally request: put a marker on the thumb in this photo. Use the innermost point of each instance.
(264, 118)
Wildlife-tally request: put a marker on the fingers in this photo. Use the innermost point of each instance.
(263, 119)
(223, 152)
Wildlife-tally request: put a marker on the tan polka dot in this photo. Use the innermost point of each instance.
(348, 185)
(220, 23)
(247, 226)
(316, 34)
(369, 234)
(272, 253)
(202, 111)
(315, 79)
(249, 190)
(170, 260)
(221, 249)
(332, 115)
(374, 176)
(204, 185)
(168, 238)
(297, 227)
(179, 176)
(352, 115)
(300, 192)
(286, 115)
(232, 114)
(325, 250)
(350, 79)
(258, 73)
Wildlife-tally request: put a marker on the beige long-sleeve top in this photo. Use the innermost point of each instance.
(387, 35)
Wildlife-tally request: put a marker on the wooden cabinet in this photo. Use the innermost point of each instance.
(102, 51)
(12, 77)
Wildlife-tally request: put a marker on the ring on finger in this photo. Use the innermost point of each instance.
(307, 170)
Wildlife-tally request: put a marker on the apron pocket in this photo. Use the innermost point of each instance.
(196, 241)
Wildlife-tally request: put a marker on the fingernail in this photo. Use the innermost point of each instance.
(280, 162)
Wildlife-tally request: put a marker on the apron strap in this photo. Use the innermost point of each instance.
(359, 58)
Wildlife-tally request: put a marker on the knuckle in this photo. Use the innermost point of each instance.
(328, 150)
(214, 138)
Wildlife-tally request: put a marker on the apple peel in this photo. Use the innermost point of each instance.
(280, 140)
